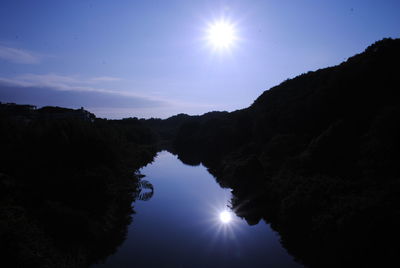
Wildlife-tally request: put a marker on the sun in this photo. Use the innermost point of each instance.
(225, 216)
(221, 34)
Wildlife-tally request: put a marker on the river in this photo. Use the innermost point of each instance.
(188, 223)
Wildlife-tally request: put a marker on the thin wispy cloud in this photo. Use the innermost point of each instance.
(77, 91)
(105, 79)
(56, 79)
(65, 82)
(17, 55)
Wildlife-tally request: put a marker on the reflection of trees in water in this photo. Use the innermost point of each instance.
(66, 189)
(53, 234)
(119, 218)
(322, 221)
(319, 232)
(146, 190)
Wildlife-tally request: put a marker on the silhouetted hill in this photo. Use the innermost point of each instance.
(317, 156)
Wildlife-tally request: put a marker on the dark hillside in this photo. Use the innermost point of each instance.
(67, 183)
(317, 156)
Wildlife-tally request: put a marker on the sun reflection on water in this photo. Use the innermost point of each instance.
(225, 217)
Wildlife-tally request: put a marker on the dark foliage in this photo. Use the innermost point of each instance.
(66, 184)
(317, 157)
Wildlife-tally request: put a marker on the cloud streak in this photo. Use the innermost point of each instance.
(70, 91)
(16, 55)
(66, 83)
(76, 91)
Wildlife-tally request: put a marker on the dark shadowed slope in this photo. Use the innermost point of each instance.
(67, 184)
(317, 156)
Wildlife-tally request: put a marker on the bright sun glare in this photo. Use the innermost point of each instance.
(225, 216)
(221, 34)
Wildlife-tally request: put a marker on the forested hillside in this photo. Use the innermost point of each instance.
(317, 156)
(67, 182)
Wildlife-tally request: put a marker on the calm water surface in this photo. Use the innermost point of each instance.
(181, 225)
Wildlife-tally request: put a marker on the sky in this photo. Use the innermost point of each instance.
(154, 58)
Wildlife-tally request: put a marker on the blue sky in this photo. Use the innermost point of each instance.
(150, 58)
